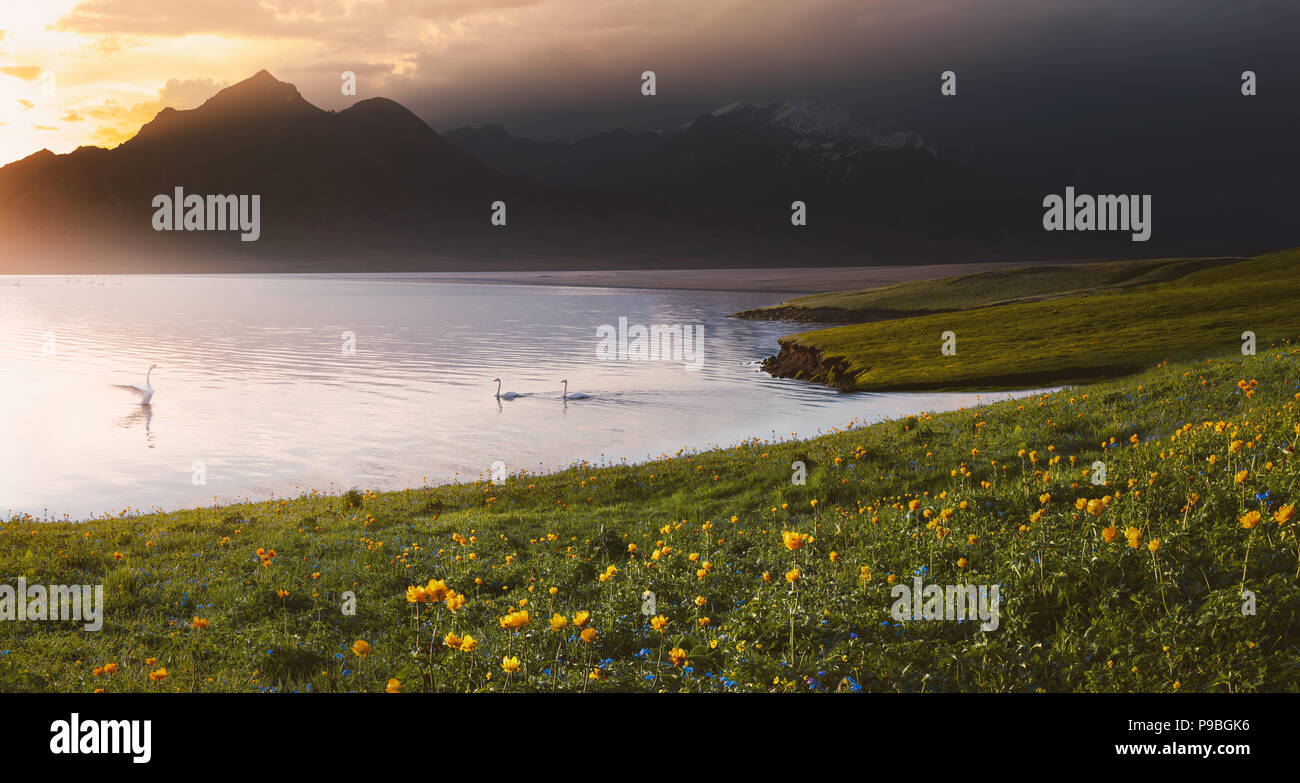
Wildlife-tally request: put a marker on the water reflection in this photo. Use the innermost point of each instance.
(143, 414)
(261, 388)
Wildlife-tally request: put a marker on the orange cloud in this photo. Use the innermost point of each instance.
(25, 72)
(119, 123)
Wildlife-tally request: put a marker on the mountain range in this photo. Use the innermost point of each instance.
(374, 187)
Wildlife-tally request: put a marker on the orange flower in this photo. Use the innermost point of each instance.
(361, 648)
(394, 686)
(159, 675)
(1250, 520)
(200, 622)
(793, 540)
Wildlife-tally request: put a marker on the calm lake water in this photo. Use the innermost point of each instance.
(255, 383)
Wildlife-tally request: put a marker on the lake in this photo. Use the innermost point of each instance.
(271, 386)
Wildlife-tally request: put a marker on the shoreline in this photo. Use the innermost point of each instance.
(776, 280)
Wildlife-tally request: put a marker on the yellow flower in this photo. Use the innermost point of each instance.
(394, 686)
(700, 600)
(453, 641)
(510, 664)
(588, 635)
(793, 540)
(1153, 545)
(200, 622)
(659, 623)
(416, 594)
(455, 600)
(580, 619)
(159, 675)
(1134, 537)
(792, 575)
(1284, 514)
(1109, 533)
(678, 656)
(468, 643)
(361, 648)
(516, 620)
(437, 590)
(1250, 520)
(558, 622)
(961, 562)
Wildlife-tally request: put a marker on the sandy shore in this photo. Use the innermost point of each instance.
(783, 280)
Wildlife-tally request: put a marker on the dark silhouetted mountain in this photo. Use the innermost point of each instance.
(759, 154)
(373, 187)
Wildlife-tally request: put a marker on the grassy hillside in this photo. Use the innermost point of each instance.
(1131, 585)
(982, 289)
(1074, 338)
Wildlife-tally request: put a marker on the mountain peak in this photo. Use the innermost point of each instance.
(810, 120)
(259, 98)
(259, 90)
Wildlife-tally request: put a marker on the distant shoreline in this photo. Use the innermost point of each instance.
(783, 280)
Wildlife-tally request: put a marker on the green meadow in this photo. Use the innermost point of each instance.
(716, 571)
(983, 289)
(1066, 339)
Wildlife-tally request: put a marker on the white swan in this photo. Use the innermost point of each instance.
(508, 395)
(145, 391)
(574, 396)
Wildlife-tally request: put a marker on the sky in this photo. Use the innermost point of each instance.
(1041, 83)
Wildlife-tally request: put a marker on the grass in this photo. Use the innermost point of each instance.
(983, 289)
(1062, 340)
(1141, 590)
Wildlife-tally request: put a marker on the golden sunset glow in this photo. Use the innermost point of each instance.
(115, 63)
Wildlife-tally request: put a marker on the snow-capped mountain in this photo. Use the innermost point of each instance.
(816, 123)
